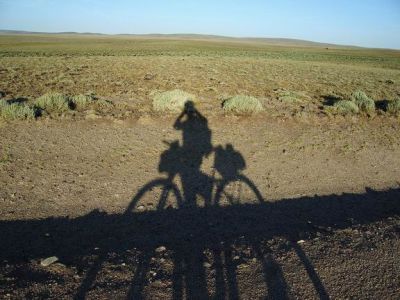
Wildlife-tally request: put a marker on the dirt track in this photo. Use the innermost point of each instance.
(66, 185)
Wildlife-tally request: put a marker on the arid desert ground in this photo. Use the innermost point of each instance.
(300, 200)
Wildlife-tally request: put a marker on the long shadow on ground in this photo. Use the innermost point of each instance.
(188, 232)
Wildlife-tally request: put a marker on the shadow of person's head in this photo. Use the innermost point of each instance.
(189, 106)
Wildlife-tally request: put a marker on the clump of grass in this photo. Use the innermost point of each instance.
(363, 102)
(53, 102)
(345, 107)
(16, 111)
(292, 97)
(393, 106)
(242, 104)
(82, 101)
(171, 100)
(102, 104)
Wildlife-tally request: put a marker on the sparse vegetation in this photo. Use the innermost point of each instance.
(16, 111)
(171, 100)
(345, 107)
(242, 104)
(393, 106)
(292, 97)
(53, 102)
(82, 101)
(103, 105)
(363, 102)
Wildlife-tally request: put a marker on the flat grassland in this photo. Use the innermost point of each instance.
(211, 69)
(295, 202)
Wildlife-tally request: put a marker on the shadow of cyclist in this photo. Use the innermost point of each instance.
(196, 144)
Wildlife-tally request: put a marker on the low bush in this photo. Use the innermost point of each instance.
(53, 102)
(242, 104)
(171, 100)
(81, 101)
(363, 102)
(16, 111)
(345, 107)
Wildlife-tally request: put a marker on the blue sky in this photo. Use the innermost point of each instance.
(372, 23)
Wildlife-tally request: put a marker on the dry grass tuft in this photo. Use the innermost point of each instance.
(53, 102)
(363, 102)
(172, 100)
(103, 105)
(242, 104)
(346, 107)
(16, 111)
(82, 101)
(292, 97)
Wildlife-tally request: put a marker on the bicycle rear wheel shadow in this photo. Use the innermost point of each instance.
(163, 189)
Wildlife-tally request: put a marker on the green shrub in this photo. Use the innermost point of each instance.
(363, 102)
(345, 107)
(393, 106)
(81, 101)
(292, 97)
(53, 102)
(171, 100)
(16, 111)
(242, 104)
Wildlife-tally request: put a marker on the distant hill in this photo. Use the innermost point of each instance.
(270, 41)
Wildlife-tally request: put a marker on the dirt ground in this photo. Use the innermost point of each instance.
(296, 202)
(292, 208)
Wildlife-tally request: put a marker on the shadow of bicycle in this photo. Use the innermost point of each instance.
(185, 187)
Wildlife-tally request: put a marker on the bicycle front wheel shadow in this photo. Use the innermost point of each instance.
(158, 194)
(237, 190)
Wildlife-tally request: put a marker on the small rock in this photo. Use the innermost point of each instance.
(161, 249)
(153, 274)
(149, 76)
(207, 265)
(140, 208)
(48, 261)
(301, 242)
